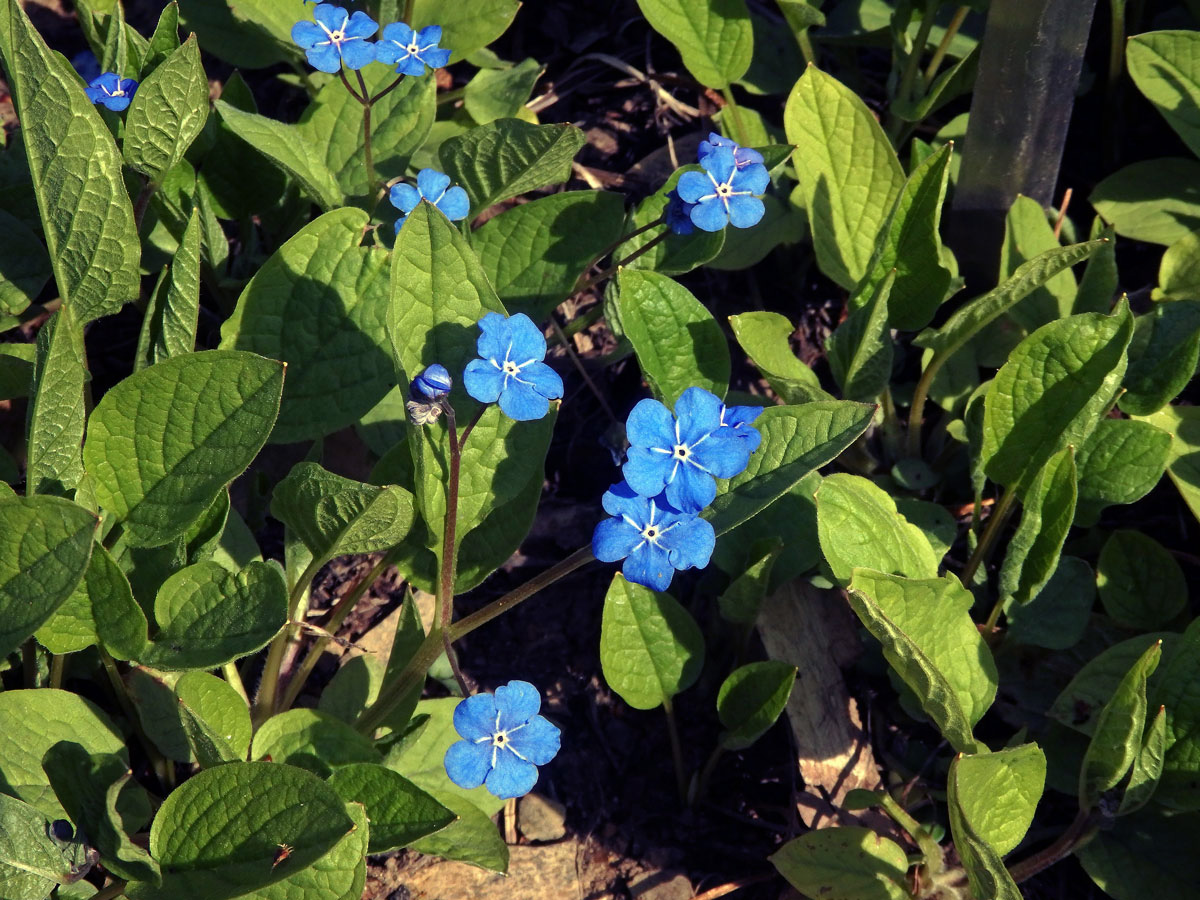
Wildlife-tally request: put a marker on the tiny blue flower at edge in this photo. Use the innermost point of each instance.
(435, 187)
(335, 38)
(723, 194)
(511, 370)
(433, 383)
(742, 156)
(112, 91)
(411, 51)
(678, 214)
(651, 536)
(504, 741)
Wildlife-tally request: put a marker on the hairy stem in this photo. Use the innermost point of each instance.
(264, 703)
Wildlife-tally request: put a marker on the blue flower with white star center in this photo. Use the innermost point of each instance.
(112, 91)
(683, 454)
(504, 741)
(739, 418)
(742, 156)
(336, 38)
(512, 370)
(723, 193)
(651, 536)
(410, 50)
(435, 187)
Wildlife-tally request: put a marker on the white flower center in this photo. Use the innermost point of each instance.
(680, 452)
(510, 367)
(724, 189)
(336, 37)
(117, 93)
(413, 49)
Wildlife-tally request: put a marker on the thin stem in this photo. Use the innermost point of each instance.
(705, 776)
(142, 201)
(353, 93)
(578, 363)
(1116, 47)
(115, 888)
(445, 589)
(392, 695)
(368, 156)
(929, 847)
(917, 410)
(452, 658)
(912, 65)
(58, 663)
(466, 432)
(1062, 213)
(408, 11)
(29, 663)
(264, 703)
(387, 90)
(724, 890)
(991, 531)
(661, 220)
(1078, 833)
(612, 270)
(676, 750)
(731, 105)
(939, 54)
(582, 323)
(234, 678)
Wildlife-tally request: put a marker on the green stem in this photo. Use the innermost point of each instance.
(983, 550)
(917, 410)
(612, 270)
(736, 114)
(142, 202)
(581, 323)
(234, 677)
(1116, 47)
(368, 156)
(57, 666)
(29, 663)
(929, 847)
(939, 54)
(661, 220)
(912, 65)
(264, 703)
(705, 776)
(1078, 833)
(676, 750)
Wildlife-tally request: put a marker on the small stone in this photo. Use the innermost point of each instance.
(541, 819)
(661, 886)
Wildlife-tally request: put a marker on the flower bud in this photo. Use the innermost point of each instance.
(434, 383)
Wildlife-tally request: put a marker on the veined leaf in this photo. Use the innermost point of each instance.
(1057, 617)
(1163, 66)
(168, 112)
(55, 420)
(24, 265)
(765, 338)
(998, 793)
(1139, 582)
(400, 812)
(31, 861)
(1120, 462)
(860, 349)
(714, 37)
(341, 873)
(1157, 200)
(501, 93)
(675, 253)
(1047, 511)
(466, 27)
(312, 740)
(173, 328)
(1182, 423)
(751, 699)
(845, 864)
(250, 34)
(1148, 767)
(215, 718)
(1162, 356)
(1027, 235)
(985, 870)
(1148, 854)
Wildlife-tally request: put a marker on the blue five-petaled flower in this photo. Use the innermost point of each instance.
(435, 187)
(742, 156)
(504, 741)
(412, 50)
(336, 38)
(651, 536)
(512, 369)
(724, 193)
(683, 454)
(111, 91)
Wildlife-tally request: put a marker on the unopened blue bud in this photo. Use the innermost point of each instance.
(435, 382)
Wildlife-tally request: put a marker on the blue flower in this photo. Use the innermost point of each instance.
(739, 418)
(511, 369)
(683, 455)
(336, 38)
(723, 193)
(678, 214)
(433, 186)
(742, 156)
(111, 91)
(434, 383)
(504, 741)
(412, 50)
(652, 536)
(85, 63)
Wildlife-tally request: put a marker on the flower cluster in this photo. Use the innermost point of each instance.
(111, 91)
(727, 192)
(670, 477)
(338, 38)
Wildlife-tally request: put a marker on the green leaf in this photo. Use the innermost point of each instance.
(1162, 356)
(985, 870)
(742, 600)
(796, 441)
(335, 515)
(534, 253)
(289, 150)
(16, 370)
(782, 223)
(935, 522)
(500, 93)
(175, 327)
(1080, 702)
(473, 838)
(1157, 200)
(1027, 234)
(332, 127)
(849, 173)
(1098, 285)
(930, 641)
(31, 861)
(1117, 738)
(36, 720)
(165, 39)
(860, 349)
(1179, 271)
(341, 874)
(1140, 583)
(1057, 617)
(1121, 460)
(165, 441)
(250, 34)
(168, 112)
(76, 171)
(909, 244)
(1147, 767)
(859, 526)
(1047, 510)
(466, 27)
(677, 341)
(45, 544)
(998, 793)
(1053, 390)
(1175, 689)
(209, 616)
(1183, 464)
(1163, 64)
(508, 157)
(650, 647)
(844, 864)
(55, 420)
(674, 254)
(87, 786)
(954, 82)
(765, 336)
(312, 740)
(439, 292)
(714, 37)
(217, 835)
(215, 718)
(400, 812)
(101, 609)
(751, 699)
(1150, 854)
(24, 265)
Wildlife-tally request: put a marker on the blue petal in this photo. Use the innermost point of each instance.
(699, 413)
(691, 489)
(467, 764)
(745, 211)
(650, 424)
(475, 717)
(483, 381)
(94, 94)
(647, 471)
(129, 86)
(744, 157)
(430, 34)
(324, 58)
(678, 218)
(361, 26)
(650, 567)
(517, 702)
(740, 415)
(710, 215)
(511, 776)
(622, 500)
(307, 33)
(358, 54)
(116, 104)
(436, 57)
(538, 741)
(404, 197)
(690, 543)
(454, 204)
(614, 539)
(694, 185)
(332, 17)
(495, 335)
(543, 379)
(434, 382)
(400, 224)
(432, 184)
(410, 65)
(720, 164)
(714, 141)
(752, 178)
(109, 82)
(387, 53)
(528, 342)
(521, 402)
(399, 32)
(724, 454)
